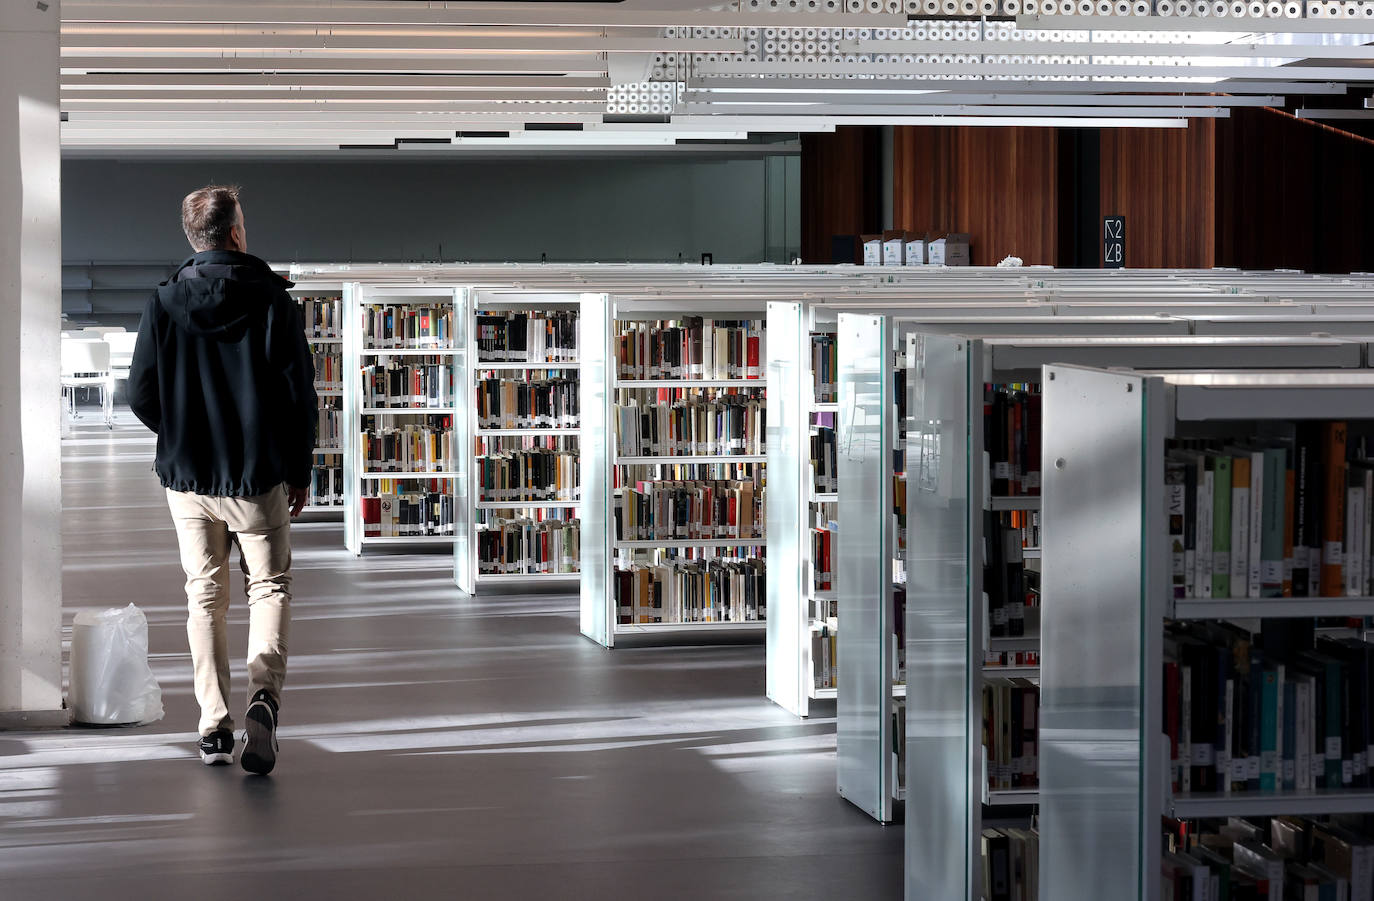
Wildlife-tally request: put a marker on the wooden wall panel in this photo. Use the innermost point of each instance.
(997, 184)
(1161, 180)
(840, 178)
(1302, 202)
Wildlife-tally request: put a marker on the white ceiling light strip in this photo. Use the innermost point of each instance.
(456, 106)
(727, 84)
(1034, 70)
(1108, 48)
(397, 12)
(381, 81)
(803, 123)
(309, 95)
(726, 101)
(1275, 25)
(957, 109)
(371, 115)
(384, 45)
(582, 65)
(1335, 113)
(424, 99)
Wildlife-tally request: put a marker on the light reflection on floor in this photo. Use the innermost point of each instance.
(434, 745)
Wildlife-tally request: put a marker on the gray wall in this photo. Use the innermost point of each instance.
(573, 210)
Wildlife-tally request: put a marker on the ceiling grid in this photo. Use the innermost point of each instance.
(429, 77)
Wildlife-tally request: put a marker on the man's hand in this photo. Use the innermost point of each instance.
(296, 498)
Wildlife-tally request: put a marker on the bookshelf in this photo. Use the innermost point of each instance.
(1114, 634)
(952, 637)
(800, 620)
(321, 306)
(520, 471)
(674, 454)
(404, 347)
(870, 685)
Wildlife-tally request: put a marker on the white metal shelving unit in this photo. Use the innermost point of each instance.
(948, 493)
(356, 352)
(327, 393)
(871, 688)
(1104, 779)
(602, 386)
(466, 563)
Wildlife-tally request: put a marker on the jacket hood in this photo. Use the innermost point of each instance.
(219, 292)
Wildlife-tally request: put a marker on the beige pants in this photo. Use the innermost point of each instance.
(261, 527)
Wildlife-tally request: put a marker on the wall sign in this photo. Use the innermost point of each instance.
(1114, 242)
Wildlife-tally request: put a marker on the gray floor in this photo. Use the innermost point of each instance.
(433, 746)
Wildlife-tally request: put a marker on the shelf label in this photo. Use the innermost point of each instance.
(1113, 242)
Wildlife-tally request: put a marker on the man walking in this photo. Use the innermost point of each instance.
(222, 373)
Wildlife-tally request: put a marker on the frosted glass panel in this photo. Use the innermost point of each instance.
(939, 780)
(352, 344)
(789, 391)
(864, 562)
(464, 551)
(595, 443)
(1091, 645)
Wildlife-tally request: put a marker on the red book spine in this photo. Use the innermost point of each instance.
(1333, 525)
(754, 357)
(372, 517)
(829, 573)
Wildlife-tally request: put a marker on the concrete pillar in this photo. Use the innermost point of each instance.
(30, 313)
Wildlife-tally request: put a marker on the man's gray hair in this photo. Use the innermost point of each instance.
(209, 215)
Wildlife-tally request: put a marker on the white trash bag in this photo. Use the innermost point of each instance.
(111, 682)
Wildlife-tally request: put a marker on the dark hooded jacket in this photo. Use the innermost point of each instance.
(223, 374)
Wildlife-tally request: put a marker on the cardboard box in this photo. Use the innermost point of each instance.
(957, 249)
(951, 250)
(915, 250)
(894, 248)
(873, 250)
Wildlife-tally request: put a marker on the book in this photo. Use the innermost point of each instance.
(526, 336)
(690, 348)
(681, 590)
(1291, 517)
(825, 367)
(1271, 541)
(1175, 488)
(1240, 526)
(407, 326)
(407, 508)
(410, 384)
(1011, 436)
(1333, 520)
(323, 316)
(688, 424)
(549, 472)
(688, 510)
(513, 542)
(527, 401)
(1011, 715)
(417, 447)
(1221, 525)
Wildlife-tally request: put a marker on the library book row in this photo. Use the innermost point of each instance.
(694, 579)
(1287, 515)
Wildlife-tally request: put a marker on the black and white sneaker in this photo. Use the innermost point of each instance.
(260, 735)
(217, 747)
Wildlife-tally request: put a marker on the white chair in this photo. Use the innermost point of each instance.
(86, 364)
(100, 331)
(121, 352)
